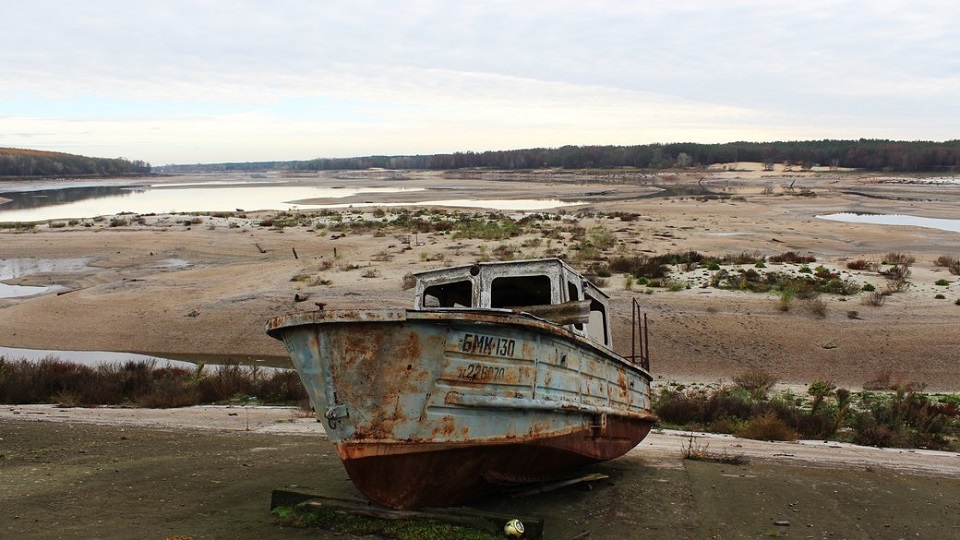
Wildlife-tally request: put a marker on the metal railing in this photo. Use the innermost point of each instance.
(640, 343)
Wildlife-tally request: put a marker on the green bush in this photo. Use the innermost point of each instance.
(899, 415)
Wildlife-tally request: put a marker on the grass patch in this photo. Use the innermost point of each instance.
(349, 523)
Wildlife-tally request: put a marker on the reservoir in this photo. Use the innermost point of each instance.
(88, 201)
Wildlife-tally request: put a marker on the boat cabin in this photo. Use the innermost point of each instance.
(533, 286)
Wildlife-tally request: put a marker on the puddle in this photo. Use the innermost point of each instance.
(172, 264)
(17, 268)
(952, 225)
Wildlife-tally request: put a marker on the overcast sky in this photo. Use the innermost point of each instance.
(250, 80)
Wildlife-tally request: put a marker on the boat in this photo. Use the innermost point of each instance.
(502, 373)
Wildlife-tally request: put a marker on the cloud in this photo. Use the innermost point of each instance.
(216, 80)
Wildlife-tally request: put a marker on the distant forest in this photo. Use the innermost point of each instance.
(869, 154)
(20, 162)
(865, 154)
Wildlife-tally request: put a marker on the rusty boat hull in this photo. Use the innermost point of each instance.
(434, 407)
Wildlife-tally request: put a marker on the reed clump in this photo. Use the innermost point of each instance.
(143, 384)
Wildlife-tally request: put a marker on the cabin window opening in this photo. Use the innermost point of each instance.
(515, 291)
(597, 326)
(573, 294)
(456, 294)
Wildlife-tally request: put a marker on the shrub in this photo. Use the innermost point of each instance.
(868, 432)
(818, 308)
(861, 264)
(382, 256)
(171, 390)
(823, 272)
(757, 382)
(875, 299)
(897, 277)
(942, 282)
(786, 296)
(768, 427)
(504, 252)
(675, 285)
(843, 287)
(280, 387)
(819, 390)
(952, 264)
(721, 409)
(792, 257)
(897, 258)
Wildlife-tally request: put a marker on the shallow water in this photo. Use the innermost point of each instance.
(88, 358)
(16, 268)
(98, 358)
(85, 201)
(952, 225)
(922, 180)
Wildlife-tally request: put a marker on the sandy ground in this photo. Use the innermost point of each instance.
(203, 291)
(208, 472)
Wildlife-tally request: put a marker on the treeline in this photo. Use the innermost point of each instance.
(868, 154)
(22, 162)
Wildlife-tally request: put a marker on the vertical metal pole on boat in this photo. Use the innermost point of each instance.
(633, 330)
(646, 344)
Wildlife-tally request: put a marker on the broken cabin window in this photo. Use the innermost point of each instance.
(598, 321)
(572, 295)
(456, 294)
(516, 291)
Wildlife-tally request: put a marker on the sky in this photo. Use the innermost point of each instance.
(209, 81)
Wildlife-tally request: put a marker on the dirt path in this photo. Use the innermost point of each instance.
(207, 472)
